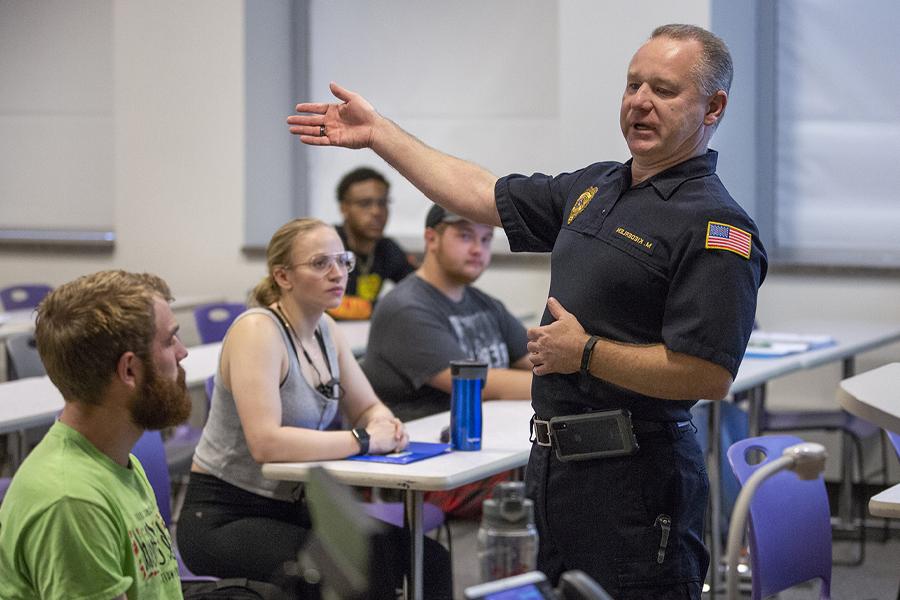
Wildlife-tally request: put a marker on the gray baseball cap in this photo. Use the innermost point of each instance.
(439, 214)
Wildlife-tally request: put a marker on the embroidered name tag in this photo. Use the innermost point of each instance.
(640, 241)
(720, 236)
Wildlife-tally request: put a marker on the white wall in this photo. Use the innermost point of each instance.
(56, 121)
(178, 111)
(525, 86)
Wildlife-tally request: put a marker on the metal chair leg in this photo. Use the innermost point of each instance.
(847, 498)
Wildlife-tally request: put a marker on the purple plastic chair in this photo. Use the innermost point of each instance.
(149, 450)
(895, 441)
(213, 320)
(392, 512)
(179, 447)
(22, 358)
(181, 443)
(790, 521)
(4, 485)
(853, 430)
(25, 295)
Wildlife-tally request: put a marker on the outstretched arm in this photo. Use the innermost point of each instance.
(458, 185)
(653, 370)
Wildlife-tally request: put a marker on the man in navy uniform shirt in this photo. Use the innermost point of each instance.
(655, 271)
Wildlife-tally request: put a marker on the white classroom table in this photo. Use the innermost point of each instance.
(201, 363)
(875, 396)
(504, 446)
(28, 402)
(887, 503)
(16, 321)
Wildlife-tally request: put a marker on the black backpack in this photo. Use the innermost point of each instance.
(235, 588)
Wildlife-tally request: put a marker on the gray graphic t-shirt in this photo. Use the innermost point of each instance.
(416, 331)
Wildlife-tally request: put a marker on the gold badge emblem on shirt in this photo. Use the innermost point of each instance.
(583, 200)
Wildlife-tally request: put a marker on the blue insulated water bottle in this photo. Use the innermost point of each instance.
(465, 403)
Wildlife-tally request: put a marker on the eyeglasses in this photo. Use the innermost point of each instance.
(323, 263)
(370, 203)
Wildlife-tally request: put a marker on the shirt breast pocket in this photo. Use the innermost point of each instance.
(641, 247)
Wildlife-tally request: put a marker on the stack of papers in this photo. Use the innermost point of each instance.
(766, 344)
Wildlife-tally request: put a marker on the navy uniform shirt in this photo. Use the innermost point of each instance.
(673, 260)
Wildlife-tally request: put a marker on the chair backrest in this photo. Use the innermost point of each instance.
(393, 513)
(895, 441)
(25, 295)
(22, 357)
(4, 485)
(790, 521)
(210, 386)
(213, 320)
(152, 454)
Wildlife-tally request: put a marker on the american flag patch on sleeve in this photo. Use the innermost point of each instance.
(720, 236)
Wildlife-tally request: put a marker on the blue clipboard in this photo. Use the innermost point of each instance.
(416, 451)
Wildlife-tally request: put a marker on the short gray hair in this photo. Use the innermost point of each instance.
(714, 71)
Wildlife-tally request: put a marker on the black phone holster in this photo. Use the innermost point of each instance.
(599, 434)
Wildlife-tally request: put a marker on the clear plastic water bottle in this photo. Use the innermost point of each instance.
(507, 538)
(465, 403)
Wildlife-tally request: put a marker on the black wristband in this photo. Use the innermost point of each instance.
(586, 354)
(362, 438)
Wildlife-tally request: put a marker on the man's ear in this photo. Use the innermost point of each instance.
(431, 236)
(129, 369)
(715, 108)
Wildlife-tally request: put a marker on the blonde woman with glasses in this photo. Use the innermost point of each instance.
(287, 389)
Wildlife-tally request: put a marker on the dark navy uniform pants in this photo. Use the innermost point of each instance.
(634, 523)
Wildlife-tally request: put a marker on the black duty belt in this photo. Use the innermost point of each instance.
(540, 429)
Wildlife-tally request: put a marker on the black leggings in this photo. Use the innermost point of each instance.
(225, 531)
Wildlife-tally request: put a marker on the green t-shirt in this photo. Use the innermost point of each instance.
(74, 524)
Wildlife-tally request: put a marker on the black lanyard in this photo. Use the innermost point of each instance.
(328, 388)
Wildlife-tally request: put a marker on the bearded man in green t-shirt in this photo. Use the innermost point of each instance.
(80, 519)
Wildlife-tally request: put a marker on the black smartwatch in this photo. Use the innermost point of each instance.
(362, 438)
(587, 353)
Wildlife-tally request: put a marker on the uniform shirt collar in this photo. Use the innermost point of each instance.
(666, 182)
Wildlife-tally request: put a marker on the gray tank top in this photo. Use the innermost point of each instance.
(223, 450)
